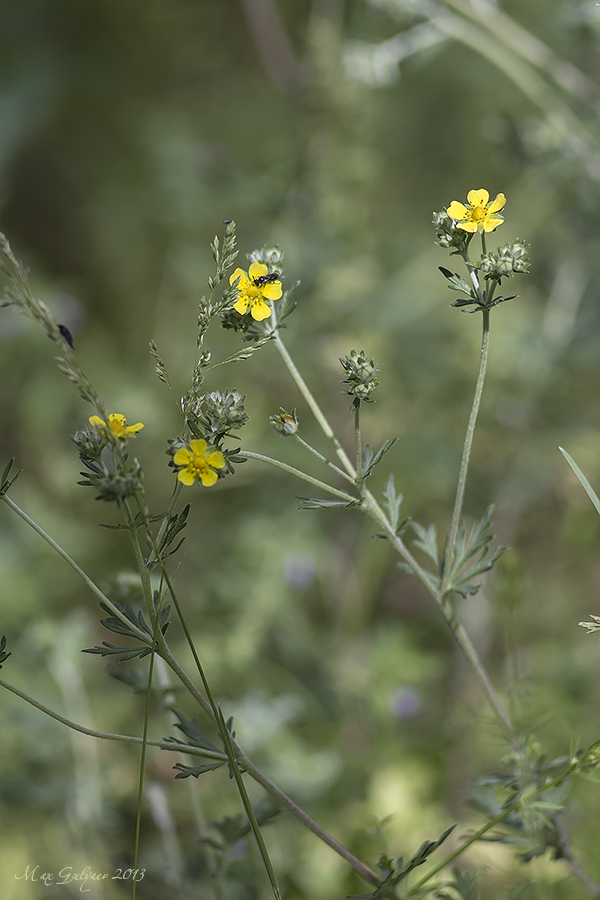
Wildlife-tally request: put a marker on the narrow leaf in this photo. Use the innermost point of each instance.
(582, 480)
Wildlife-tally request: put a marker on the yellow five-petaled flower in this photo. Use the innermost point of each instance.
(479, 214)
(197, 465)
(256, 288)
(117, 424)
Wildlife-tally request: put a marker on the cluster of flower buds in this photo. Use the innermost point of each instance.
(112, 486)
(90, 442)
(270, 256)
(360, 377)
(284, 423)
(512, 257)
(223, 412)
(448, 235)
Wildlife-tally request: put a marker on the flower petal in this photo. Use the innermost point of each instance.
(182, 457)
(216, 460)
(133, 428)
(471, 227)
(239, 273)
(272, 291)
(492, 222)
(97, 422)
(198, 447)
(256, 270)
(457, 210)
(260, 310)
(478, 198)
(208, 477)
(186, 476)
(241, 305)
(497, 204)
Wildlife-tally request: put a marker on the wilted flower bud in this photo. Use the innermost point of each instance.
(284, 423)
(360, 372)
(448, 235)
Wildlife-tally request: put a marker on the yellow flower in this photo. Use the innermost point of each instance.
(255, 290)
(479, 214)
(197, 465)
(116, 424)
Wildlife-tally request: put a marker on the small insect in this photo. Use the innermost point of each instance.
(66, 334)
(266, 279)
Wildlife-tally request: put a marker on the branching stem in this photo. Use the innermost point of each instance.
(298, 474)
(374, 510)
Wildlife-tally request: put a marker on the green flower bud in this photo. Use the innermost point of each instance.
(223, 412)
(270, 256)
(360, 372)
(506, 260)
(90, 442)
(285, 424)
(448, 235)
(112, 486)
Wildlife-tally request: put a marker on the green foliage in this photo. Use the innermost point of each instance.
(137, 619)
(532, 792)
(173, 526)
(5, 481)
(129, 130)
(372, 459)
(3, 654)
(463, 887)
(398, 870)
(459, 566)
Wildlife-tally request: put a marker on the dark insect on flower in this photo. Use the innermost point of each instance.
(67, 335)
(266, 279)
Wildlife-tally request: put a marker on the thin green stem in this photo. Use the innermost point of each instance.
(324, 459)
(487, 827)
(466, 454)
(567, 854)
(138, 818)
(108, 736)
(298, 474)
(208, 704)
(358, 441)
(372, 508)
(262, 779)
(314, 406)
(142, 636)
(239, 780)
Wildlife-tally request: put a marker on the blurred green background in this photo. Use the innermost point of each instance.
(129, 132)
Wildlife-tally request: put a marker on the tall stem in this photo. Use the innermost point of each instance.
(466, 454)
